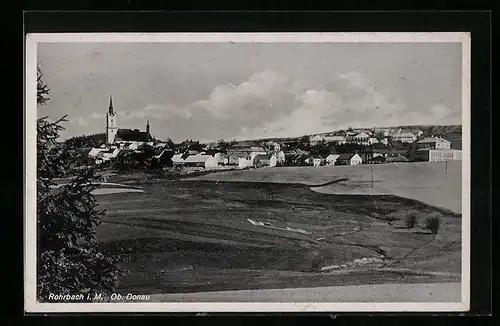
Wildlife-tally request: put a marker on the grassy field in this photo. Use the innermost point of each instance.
(438, 184)
(197, 235)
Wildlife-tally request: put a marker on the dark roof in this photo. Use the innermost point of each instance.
(291, 157)
(263, 157)
(382, 150)
(163, 151)
(296, 151)
(84, 150)
(346, 156)
(377, 159)
(133, 135)
(397, 158)
(398, 151)
(239, 154)
(124, 152)
(432, 140)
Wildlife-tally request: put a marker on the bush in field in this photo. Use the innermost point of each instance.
(432, 222)
(68, 257)
(315, 265)
(411, 218)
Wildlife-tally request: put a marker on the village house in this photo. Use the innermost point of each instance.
(315, 160)
(198, 160)
(280, 157)
(221, 158)
(372, 140)
(433, 143)
(376, 160)
(256, 150)
(365, 155)
(315, 140)
(104, 154)
(234, 157)
(349, 159)
(338, 140)
(84, 151)
(265, 160)
(296, 157)
(96, 150)
(129, 145)
(273, 146)
(331, 159)
(244, 160)
(177, 159)
(163, 155)
(384, 141)
(404, 137)
(386, 132)
(192, 152)
(396, 158)
(439, 155)
(379, 153)
(361, 138)
(107, 155)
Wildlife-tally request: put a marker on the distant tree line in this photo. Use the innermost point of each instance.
(442, 131)
(145, 158)
(93, 140)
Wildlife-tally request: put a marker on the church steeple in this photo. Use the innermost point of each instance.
(147, 127)
(111, 127)
(111, 105)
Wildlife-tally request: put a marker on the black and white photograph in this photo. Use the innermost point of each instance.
(233, 172)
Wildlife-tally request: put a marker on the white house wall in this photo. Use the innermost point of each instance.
(211, 162)
(273, 161)
(244, 162)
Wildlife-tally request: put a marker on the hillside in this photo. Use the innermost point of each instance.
(450, 132)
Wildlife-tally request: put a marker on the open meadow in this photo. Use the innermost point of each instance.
(267, 229)
(438, 184)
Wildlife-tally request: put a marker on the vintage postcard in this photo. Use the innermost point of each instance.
(247, 172)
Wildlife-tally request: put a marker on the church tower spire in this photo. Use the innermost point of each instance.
(147, 127)
(111, 127)
(111, 105)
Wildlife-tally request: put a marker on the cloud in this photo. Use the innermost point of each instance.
(81, 121)
(262, 93)
(272, 104)
(440, 111)
(347, 99)
(88, 119)
(96, 115)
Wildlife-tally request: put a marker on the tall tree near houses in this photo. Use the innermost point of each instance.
(69, 260)
(379, 135)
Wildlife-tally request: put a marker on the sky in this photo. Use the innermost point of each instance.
(212, 91)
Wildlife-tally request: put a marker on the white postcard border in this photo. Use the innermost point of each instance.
(30, 114)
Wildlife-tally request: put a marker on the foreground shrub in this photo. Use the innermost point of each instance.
(69, 259)
(411, 218)
(432, 222)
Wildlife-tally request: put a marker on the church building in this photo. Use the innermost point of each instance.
(125, 137)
